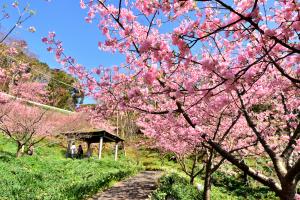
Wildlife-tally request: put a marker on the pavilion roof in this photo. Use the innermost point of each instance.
(93, 135)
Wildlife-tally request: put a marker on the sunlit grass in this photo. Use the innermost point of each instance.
(48, 175)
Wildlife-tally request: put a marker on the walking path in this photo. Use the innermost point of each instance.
(138, 187)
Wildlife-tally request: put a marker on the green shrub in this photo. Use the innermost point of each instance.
(232, 186)
(226, 187)
(176, 187)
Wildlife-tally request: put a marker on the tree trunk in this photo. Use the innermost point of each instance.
(245, 178)
(23, 149)
(19, 150)
(207, 186)
(207, 181)
(288, 192)
(192, 178)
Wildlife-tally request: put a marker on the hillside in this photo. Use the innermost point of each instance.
(59, 84)
(48, 175)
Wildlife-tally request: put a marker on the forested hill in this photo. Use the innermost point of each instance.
(57, 85)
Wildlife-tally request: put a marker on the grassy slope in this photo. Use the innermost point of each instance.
(48, 175)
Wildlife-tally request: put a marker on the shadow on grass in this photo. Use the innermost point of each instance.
(239, 188)
(63, 153)
(6, 156)
(89, 187)
(81, 190)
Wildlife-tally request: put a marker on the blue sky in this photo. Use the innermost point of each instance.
(66, 18)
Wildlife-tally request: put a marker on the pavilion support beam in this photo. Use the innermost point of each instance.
(89, 150)
(116, 151)
(100, 148)
(69, 140)
(124, 148)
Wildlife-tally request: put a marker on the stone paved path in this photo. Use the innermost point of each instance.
(138, 187)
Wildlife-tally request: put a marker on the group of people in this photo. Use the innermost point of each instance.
(76, 153)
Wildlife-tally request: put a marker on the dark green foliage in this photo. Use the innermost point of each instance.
(225, 187)
(174, 186)
(234, 186)
(61, 92)
(153, 160)
(258, 108)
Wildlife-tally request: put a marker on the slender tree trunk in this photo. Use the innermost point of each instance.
(192, 175)
(207, 181)
(245, 178)
(23, 149)
(207, 186)
(19, 153)
(19, 150)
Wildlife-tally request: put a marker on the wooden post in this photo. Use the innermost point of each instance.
(117, 123)
(116, 151)
(68, 147)
(124, 148)
(89, 150)
(100, 148)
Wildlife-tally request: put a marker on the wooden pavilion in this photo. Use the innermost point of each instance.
(93, 136)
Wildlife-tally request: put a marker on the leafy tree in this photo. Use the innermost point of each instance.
(61, 92)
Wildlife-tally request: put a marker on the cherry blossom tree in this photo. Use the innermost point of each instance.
(187, 60)
(23, 123)
(219, 122)
(28, 125)
(33, 91)
(10, 70)
(15, 74)
(23, 14)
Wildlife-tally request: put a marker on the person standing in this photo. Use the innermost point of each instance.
(80, 152)
(73, 150)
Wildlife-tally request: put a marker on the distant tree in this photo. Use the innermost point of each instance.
(33, 91)
(191, 163)
(28, 125)
(125, 123)
(19, 70)
(23, 124)
(61, 92)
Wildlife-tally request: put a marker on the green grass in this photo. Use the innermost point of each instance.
(176, 185)
(228, 187)
(152, 159)
(48, 175)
